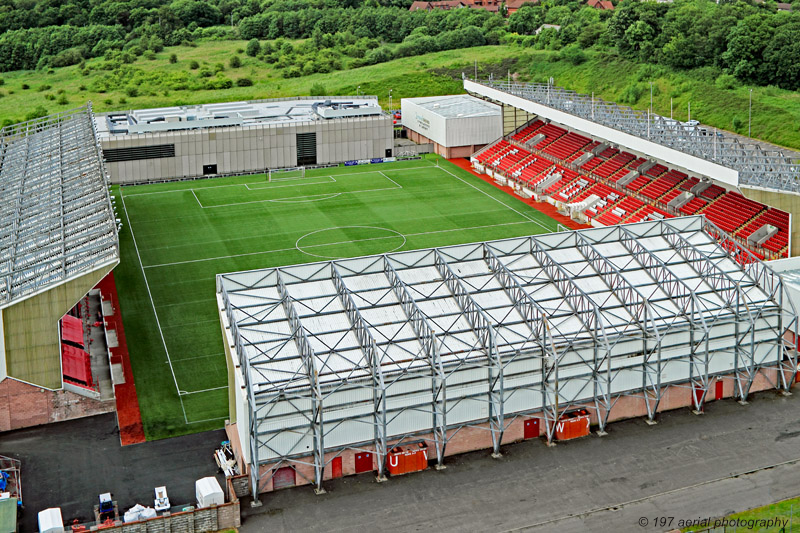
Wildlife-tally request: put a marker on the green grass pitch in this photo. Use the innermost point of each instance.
(178, 236)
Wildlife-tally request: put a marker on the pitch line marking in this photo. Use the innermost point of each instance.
(498, 201)
(247, 184)
(267, 187)
(196, 357)
(297, 199)
(307, 199)
(207, 420)
(332, 243)
(397, 234)
(185, 393)
(152, 303)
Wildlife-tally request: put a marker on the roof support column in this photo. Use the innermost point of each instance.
(589, 314)
(536, 319)
(427, 338)
(732, 292)
(482, 327)
(367, 342)
(641, 311)
(305, 350)
(686, 300)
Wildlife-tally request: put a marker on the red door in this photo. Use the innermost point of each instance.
(718, 390)
(284, 477)
(336, 467)
(364, 462)
(531, 430)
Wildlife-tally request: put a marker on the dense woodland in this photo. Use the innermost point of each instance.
(748, 42)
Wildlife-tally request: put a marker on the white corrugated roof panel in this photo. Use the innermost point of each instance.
(562, 269)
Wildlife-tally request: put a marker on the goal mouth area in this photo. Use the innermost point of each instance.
(278, 174)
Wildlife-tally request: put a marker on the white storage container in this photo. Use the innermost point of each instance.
(50, 521)
(208, 492)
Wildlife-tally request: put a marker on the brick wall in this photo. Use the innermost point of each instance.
(239, 485)
(24, 405)
(209, 519)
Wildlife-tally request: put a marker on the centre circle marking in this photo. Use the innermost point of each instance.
(393, 235)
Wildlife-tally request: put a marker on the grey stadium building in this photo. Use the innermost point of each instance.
(242, 137)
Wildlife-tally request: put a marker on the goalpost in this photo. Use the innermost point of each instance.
(286, 173)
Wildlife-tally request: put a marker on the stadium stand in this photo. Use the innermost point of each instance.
(615, 187)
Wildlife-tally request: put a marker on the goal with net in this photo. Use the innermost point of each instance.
(278, 174)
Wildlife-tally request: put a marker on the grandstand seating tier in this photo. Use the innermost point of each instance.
(729, 210)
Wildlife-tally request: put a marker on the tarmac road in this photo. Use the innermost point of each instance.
(732, 458)
(686, 467)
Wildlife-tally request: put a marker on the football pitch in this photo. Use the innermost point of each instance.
(177, 236)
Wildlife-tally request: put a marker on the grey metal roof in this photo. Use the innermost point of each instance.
(457, 106)
(56, 217)
(275, 111)
(576, 284)
(757, 167)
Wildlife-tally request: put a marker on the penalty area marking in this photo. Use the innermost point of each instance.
(304, 198)
(396, 234)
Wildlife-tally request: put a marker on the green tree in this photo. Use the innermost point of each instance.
(253, 48)
(235, 62)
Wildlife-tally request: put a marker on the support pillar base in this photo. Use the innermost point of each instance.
(497, 455)
(550, 444)
(320, 491)
(697, 412)
(650, 422)
(786, 393)
(256, 503)
(439, 467)
(601, 433)
(743, 402)
(380, 479)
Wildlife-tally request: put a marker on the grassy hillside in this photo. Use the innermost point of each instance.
(716, 101)
(153, 80)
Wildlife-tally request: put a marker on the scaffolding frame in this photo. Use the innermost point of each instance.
(57, 220)
(419, 345)
(757, 167)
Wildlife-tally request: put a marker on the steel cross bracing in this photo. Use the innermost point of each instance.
(589, 314)
(642, 315)
(56, 217)
(737, 289)
(756, 167)
(689, 305)
(482, 326)
(427, 338)
(309, 362)
(370, 348)
(540, 323)
(730, 291)
(262, 403)
(564, 319)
